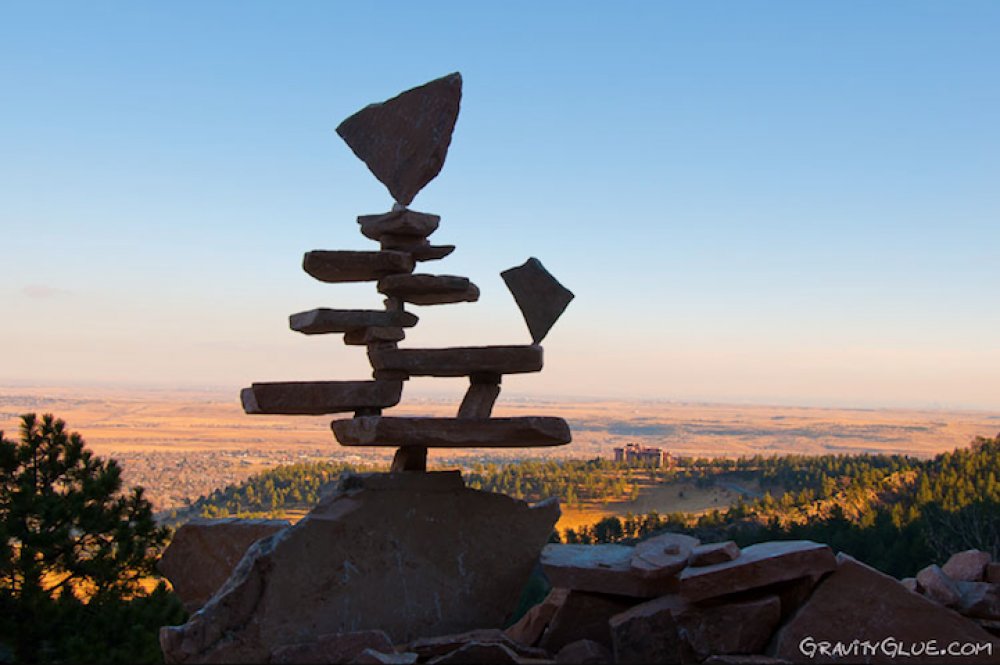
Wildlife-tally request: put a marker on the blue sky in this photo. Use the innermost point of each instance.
(776, 202)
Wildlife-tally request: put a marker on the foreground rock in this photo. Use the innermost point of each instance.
(413, 554)
(856, 605)
(584, 616)
(529, 628)
(967, 566)
(601, 569)
(336, 648)
(203, 553)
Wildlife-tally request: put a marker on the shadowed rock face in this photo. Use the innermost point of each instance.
(413, 554)
(404, 140)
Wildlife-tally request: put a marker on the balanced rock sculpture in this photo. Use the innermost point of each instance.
(411, 553)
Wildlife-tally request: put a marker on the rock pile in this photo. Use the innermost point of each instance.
(969, 583)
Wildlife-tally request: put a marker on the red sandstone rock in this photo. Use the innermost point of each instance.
(539, 296)
(423, 289)
(441, 645)
(203, 553)
(710, 554)
(352, 266)
(373, 657)
(404, 140)
(410, 553)
(967, 566)
(529, 628)
(601, 569)
(758, 566)
(671, 628)
(522, 432)
(319, 397)
(322, 321)
(333, 648)
(979, 599)
(662, 556)
(459, 360)
(407, 223)
(938, 586)
(583, 616)
(584, 652)
(858, 604)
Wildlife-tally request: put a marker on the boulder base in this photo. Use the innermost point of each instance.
(413, 554)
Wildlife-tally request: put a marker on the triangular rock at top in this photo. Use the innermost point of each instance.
(404, 140)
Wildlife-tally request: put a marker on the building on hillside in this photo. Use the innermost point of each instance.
(639, 455)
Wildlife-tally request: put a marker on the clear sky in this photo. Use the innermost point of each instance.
(784, 202)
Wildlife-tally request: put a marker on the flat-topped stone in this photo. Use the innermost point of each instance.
(372, 335)
(712, 553)
(313, 398)
(758, 566)
(321, 321)
(403, 222)
(460, 360)
(353, 266)
(662, 556)
(423, 289)
(404, 140)
(600, 569)
(419, 248)
(523, 432)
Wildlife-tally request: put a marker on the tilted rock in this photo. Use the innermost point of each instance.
(967, 566)
(374, 657)
(673, 629)
(203, 553)
(601, 569)
(938, 586)
(539, 296)
(858, 604)
(710, 554)
(583, 616)
(404, 140)
(335, 648)
(758, 566)
(413, 554)
(662, 556)
(584, 652)
(529, 629)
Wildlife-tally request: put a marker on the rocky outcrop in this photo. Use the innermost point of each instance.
(203, 553)
(412, 554)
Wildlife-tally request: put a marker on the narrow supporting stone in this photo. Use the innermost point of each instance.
(374, 334)
(313, 398)
(523, 432)
(321, 321)
(351, 266)
(479, 400)
(459, 361)
(409, 458)
(403, 222)
(423, 289)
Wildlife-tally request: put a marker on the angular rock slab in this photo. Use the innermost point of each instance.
(313, 398)
(423, 289)
(405, 222)
(601, 569)
(412, 554)
(712, 553)
(583, 616)
(529, 628)
(322, 321)
(662, 556)
(857, 604)
(459, 360)
(334, 266)
(523, 432)
(203, 553)
(539, 296)
(375, 334)
(758, 566)
(967, 566)
(938, 586)
(404, 140)
(336, 648)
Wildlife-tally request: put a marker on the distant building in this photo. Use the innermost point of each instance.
(638, 455)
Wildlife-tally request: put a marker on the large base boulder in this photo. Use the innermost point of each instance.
(413, 554)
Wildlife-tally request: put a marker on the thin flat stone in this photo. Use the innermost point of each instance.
(459, 361)
(404, 140)
(758, 565)
(431, 252)
(540, 297)
(351, 266)
(320, 321)
(313, 398)
(710, 554)
(662, 556)
(372, 335)
(423, 289)
(405, 222)
(523, 432)
(600, 569)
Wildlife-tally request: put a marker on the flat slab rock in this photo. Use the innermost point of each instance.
(334, 266)
(424, 289)
(319, 397)
(459, 360)
(710, 554)
(858, 604)
(404, 140)
(662, 556)
(405, 222)
(601, 569)
(413, 554)
(203, 553)
(757, 566)
(321, 321)
(522, 432)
